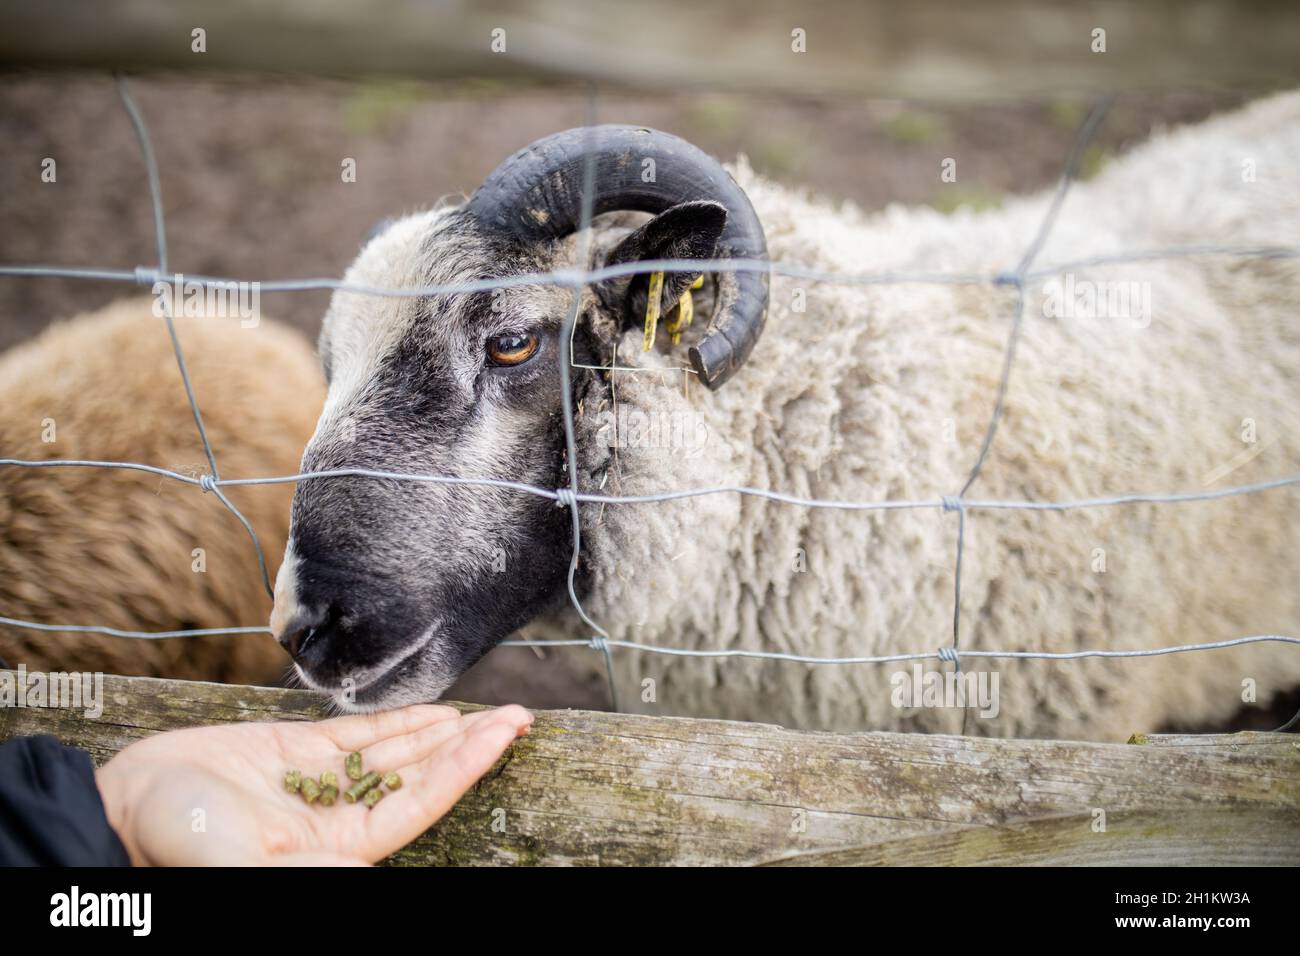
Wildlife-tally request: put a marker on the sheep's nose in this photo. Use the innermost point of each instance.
(301, 631)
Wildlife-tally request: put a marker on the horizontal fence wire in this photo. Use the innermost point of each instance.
(561, 495)
(570, 496)
(578, 278)
(599, 643)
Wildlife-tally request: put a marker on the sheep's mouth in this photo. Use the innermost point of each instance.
(391, 689)
(411, 677)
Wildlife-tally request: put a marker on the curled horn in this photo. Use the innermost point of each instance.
(537, 194)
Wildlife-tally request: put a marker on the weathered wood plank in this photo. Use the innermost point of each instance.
(922, 49)
(1255, 743)
(1243, 837)
(588, 787)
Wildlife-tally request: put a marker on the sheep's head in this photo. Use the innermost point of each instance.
(391, 589)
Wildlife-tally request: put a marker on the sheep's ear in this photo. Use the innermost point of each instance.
(689, 230)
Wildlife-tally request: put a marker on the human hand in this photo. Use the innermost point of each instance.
(215, 795)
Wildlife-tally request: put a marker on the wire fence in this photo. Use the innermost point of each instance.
(571, 496)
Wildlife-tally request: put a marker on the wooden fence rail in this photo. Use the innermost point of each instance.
(587, 787)
(928, 49)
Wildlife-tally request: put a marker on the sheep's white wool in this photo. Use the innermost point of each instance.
(1181, 375)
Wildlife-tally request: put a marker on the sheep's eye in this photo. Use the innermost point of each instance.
(511, 348)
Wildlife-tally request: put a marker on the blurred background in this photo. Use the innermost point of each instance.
(250, 164)
(252, 107)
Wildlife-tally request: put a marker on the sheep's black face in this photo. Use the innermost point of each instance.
(391, 589)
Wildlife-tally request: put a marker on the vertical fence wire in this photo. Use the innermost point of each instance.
(1017, 282)
(160, 237)
(570, 500)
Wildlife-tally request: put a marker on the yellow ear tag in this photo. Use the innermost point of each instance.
(685, 312)
(652, 310)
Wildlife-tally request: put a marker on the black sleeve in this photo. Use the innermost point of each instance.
(50, 810)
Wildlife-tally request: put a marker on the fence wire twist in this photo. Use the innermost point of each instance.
(571, 497)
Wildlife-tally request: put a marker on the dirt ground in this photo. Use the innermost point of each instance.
(251, 182)
(250, 170)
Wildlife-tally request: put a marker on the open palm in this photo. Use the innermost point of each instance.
(215, 795)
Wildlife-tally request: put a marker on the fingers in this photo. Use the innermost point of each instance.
(433, 785)
(403, 750)
(356, 731)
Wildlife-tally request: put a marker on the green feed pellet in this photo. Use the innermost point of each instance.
(359, 789)
(352, 766)
(368, 787)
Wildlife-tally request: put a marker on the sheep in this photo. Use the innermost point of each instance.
(134, 551)
(855, 392)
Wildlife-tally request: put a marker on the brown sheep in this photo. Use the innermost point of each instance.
(82, 545)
